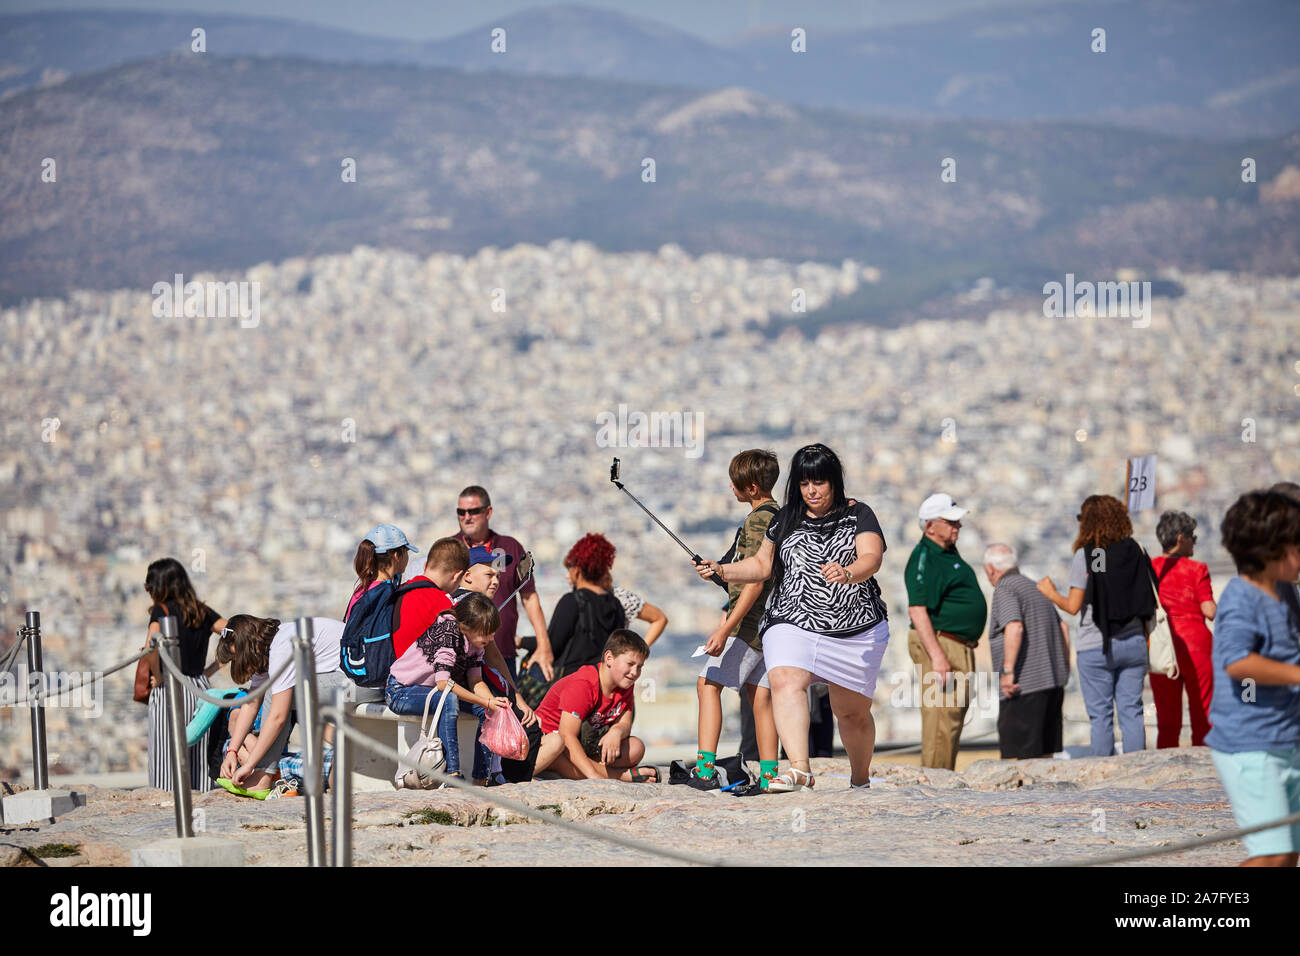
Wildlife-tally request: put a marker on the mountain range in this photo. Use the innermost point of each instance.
(191, 162)
(1213, 68)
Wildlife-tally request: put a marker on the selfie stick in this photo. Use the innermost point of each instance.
(614, 476)
(510, 597)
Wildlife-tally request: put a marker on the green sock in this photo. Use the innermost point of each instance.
(704, 764)
(766, 771)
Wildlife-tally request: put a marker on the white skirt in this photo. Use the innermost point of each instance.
(850, 662)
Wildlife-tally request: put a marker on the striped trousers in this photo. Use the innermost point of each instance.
(160, 768)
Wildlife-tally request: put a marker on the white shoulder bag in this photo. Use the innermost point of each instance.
(427, 753)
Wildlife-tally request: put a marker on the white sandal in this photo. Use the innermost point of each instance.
(788, 781)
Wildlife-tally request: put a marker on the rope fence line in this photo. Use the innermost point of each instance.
(223, 702)
(916, 748)
(336, 717)
(1179, 847)
(57, 692)
(13, 652)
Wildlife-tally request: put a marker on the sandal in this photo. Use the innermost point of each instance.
(790, 780)
(644, 774)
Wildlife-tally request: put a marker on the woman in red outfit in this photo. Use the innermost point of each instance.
(1186, 597)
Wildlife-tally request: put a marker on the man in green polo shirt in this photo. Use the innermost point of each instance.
(948, 613)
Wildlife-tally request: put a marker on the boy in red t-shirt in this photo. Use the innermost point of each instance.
(599, 697)
(446, 565)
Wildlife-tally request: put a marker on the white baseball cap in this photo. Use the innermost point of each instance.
(940, 506)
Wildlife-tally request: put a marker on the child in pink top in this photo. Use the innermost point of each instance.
(448, 656)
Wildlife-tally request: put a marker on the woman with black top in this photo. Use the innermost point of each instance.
(1112, 589)
(825, 618)
(584, 618)
(173, 596)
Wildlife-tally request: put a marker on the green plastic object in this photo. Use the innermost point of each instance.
(204, 715)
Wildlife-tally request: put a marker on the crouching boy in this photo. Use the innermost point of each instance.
(587, 717)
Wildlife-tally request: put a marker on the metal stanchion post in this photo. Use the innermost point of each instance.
(36, 684)
(180, 753)
(304, 660)
(185, 849)
(40, 804)
(342, 784)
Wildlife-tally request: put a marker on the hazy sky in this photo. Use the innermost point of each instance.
(429, 19)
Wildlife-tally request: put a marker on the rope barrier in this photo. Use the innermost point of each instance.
(916, 748)
(13, 652)
(56, 693)
(339, 720)
(223, 702)
(1181, 847)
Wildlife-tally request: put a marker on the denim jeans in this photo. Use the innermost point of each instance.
(1113, 682)
(482, 756)
(409, 699)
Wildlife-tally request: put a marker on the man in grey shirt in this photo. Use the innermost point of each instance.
(1030, 645)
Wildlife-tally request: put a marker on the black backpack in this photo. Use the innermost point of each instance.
(584, 647)
(731, 772)
(586, 643)
(366, 648)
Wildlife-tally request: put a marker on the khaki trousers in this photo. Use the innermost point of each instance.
(943, 712)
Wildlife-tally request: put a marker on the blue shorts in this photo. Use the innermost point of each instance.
(1263, 785)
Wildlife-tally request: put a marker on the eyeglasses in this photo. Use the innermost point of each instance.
(462, 512)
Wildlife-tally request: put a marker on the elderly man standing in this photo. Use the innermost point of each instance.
(948, 612)
(474, 512)
(1031, 648)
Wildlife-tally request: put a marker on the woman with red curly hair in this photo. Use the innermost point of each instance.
(584, 618)
(1111, 586)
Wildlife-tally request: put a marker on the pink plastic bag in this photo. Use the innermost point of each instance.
(504, 735)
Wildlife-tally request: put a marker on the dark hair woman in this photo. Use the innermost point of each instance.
(825, 618)
(1110, 589)
(172, 595)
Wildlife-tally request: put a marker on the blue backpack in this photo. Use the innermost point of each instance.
(366, 648)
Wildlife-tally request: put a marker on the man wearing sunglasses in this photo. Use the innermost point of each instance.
(948, 611)
(474, 512)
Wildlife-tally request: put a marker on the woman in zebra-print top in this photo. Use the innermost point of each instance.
(825, 618)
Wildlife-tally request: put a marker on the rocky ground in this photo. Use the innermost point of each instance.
(993, 813)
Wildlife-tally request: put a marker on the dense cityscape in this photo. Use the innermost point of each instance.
(376, 385)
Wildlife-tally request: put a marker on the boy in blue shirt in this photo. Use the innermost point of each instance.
(1255, 713)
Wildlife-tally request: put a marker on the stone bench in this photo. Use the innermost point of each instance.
(368, 715)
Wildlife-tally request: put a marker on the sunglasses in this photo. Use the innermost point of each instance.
(462, 512)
